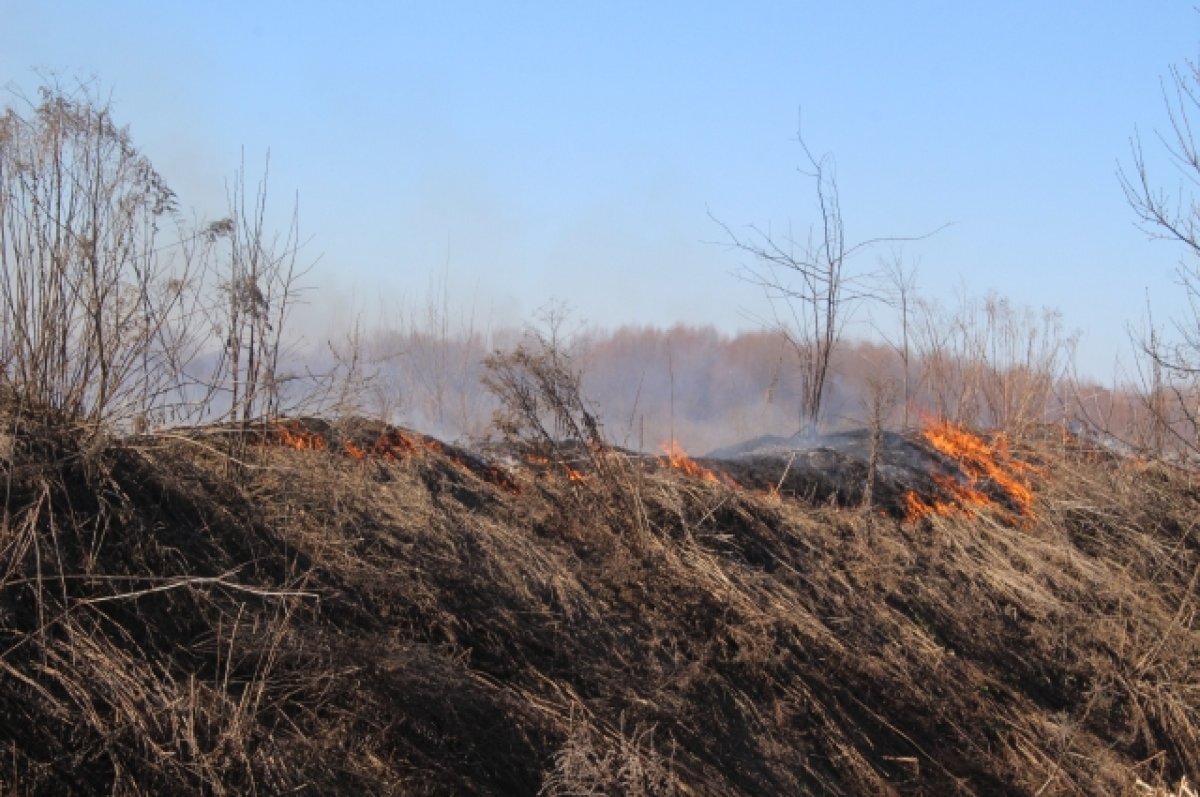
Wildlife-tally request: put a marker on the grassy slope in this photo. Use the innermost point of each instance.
(307, 623)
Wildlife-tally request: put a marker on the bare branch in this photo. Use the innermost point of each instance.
(1169, 369)
(812, 280)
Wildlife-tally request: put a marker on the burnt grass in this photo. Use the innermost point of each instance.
(212, 613)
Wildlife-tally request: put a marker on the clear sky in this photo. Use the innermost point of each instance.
(573, 150)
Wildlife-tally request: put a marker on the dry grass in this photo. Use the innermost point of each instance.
(307, 623)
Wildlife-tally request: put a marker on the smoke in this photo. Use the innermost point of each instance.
(695, 385)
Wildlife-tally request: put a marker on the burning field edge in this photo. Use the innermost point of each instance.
(319, 607)
(942, 470)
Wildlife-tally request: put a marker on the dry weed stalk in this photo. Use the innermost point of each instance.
(882, 399)
(1183, 789)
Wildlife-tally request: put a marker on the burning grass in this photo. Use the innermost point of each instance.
(410, 622)
(675, 457)
(379, 443)
(986, 476)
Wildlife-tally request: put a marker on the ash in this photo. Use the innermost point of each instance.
(832, 468)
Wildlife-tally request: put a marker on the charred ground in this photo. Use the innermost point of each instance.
(233, 611)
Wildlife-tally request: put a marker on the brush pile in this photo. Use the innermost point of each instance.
(231, 613)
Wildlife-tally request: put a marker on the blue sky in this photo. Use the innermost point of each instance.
(573, 151)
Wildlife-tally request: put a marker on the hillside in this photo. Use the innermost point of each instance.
(322, 608)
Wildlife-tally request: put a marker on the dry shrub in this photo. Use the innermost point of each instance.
(543, 414)
(90, 303)
(541, 404)
(991, 364)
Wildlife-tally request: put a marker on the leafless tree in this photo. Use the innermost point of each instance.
(811, 282)
(1173, 216)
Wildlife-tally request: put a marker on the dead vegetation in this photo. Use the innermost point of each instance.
(317, 623)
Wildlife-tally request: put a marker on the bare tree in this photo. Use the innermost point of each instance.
(811, 283)
(1174, 363)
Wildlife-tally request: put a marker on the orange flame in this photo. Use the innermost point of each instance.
(299, 438)
(982, 463)
(392, 445)
(678, 459)
(916, 507)
(545, 462)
